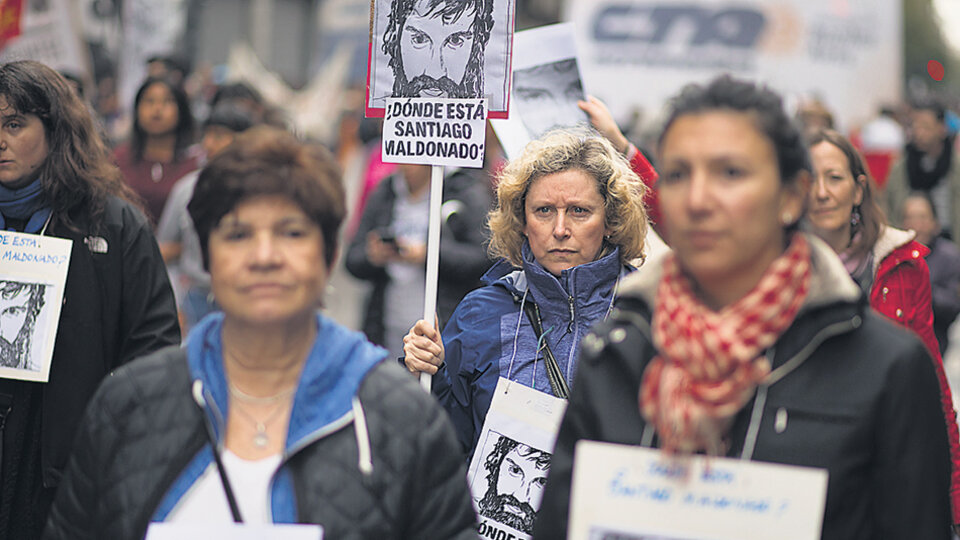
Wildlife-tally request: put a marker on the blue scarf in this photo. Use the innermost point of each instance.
(26, 203)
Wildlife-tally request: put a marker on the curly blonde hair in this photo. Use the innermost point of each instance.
(563, 150)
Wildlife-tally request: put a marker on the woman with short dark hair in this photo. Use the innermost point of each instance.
(272, 413)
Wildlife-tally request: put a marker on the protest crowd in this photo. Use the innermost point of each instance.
(740, 314)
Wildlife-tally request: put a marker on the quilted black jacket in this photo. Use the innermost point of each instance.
(143, 427)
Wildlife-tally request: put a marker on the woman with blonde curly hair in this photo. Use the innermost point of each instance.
(569, 218)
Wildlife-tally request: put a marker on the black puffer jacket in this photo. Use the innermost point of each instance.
(143, 427)
(850, 392)
(466, 200)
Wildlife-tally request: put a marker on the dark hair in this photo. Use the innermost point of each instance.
(184, 127)
(79, 174)
(269, 161)
(872, 219)
(935, 107)
(506, 445)
(917, 194)
(236, 90)
(765, 107)
(453, 9)
(231, 116)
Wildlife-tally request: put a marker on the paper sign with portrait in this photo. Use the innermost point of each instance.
(440, 49)
(546, 87)
(510, 465)
(33, 272)
(628, 492)
(234, 531)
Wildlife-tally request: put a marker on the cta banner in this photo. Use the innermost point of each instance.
(641, 52)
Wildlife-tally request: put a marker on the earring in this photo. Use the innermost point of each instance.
(786, 218)
(855, 216)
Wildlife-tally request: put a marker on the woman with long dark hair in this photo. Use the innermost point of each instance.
(160, 149)
(57, 179)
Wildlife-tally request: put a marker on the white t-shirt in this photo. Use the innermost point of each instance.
(206, 501)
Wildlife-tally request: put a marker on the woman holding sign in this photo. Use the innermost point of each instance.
(272, 413)
(750, 340)
(569, 216)
(57, 180)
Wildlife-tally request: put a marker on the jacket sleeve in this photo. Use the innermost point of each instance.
(946, 288)
(451, 384)
(376, 212)
(922, 324)
(442, 505)
(73, 514)
(642, 166)
(911, 474)
(148, 318)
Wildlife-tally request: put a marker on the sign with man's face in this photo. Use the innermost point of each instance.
(33, 272)
(510, 465)
(546, 87)
(440, 49)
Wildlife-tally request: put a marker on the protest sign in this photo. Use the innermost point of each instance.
(442, 48)
(546, 87)
(631, 492)
(510, 465)
(33, 272)
(434, 131)
(636, 54)
(234, 531)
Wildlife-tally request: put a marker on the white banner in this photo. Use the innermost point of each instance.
(628, 493)
(512, 459)
(434, 131)
(49, 35)
(641, 52)
(150, 27)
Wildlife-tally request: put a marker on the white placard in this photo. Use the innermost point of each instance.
(435, 131)
(234, 531)
(512, 459)
(445, 48)
(628, 492)
(546, 87)
(636, 54)
(33, 272)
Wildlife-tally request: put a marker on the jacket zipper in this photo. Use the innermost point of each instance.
(572, 314)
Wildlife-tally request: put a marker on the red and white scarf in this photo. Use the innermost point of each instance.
(711, 362)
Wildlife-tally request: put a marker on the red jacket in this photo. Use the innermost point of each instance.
(901, 291)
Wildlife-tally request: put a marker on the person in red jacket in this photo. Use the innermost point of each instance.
(886, 262)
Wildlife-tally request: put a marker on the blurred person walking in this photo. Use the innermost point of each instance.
(175, 234)
(928, 165)
(160, 148)
(272, 413)
(56, 179)
(750, 339)
(919, 214)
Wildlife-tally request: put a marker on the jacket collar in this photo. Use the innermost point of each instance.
(830, 282)
(890, 239)
(582, 281)
(334, 370)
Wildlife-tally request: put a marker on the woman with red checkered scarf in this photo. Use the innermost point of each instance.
(750, 340)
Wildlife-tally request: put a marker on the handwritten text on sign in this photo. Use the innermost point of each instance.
(643, 491)
(434, 131)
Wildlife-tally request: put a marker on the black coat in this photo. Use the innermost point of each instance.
(860, 396)
(143, 427)
(117, 305)
(463, 259)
